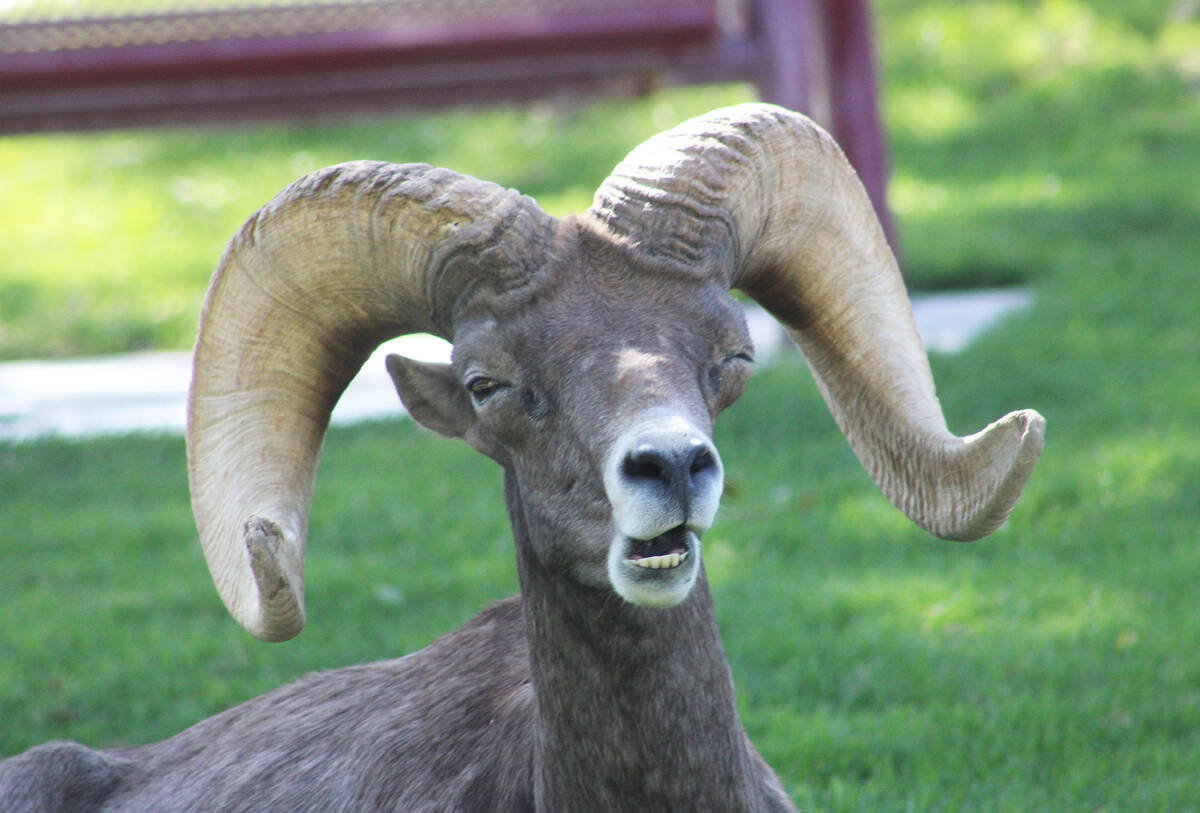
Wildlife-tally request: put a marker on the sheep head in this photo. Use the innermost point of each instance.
(595, 385)
(591, 354)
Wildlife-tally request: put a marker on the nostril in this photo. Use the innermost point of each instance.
(702, 460)
(646, 463)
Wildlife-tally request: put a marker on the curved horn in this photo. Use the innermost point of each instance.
(767, 202)
(338, 262)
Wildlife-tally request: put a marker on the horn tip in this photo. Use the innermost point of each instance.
(1033, 430)
(280, 611)
(1009, 448)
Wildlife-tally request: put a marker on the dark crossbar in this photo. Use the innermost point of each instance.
(79, 72)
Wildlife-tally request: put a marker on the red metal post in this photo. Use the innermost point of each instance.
(854, 98)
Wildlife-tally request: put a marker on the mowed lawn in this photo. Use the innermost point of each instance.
(1052, 667)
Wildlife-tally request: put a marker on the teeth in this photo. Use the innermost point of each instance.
(664, 562)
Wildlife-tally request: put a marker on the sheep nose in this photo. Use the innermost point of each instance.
(681, 467)
(662, 474)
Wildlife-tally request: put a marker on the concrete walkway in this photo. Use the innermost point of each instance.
(147, 391)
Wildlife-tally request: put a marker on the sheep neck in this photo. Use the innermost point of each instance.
(636, 708)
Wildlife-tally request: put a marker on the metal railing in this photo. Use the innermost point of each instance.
(92, 64)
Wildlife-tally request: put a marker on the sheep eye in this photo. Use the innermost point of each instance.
(482, 388)
(717, 372)
(725, 392)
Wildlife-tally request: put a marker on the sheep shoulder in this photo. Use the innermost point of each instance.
(445, 728)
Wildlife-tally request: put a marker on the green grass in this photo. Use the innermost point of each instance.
(1052, 667)
(110, 239)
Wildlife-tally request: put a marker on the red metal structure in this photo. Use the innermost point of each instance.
(214, 62)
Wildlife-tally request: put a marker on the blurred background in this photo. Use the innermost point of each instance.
(1047, 145)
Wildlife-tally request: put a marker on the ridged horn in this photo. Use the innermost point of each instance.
(763, 199)
(337, 263)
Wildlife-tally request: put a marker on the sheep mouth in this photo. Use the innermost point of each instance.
(655, 572)
(663, 552)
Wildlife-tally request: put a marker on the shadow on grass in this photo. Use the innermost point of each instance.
(880, 668)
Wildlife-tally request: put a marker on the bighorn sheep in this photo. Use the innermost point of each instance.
(591, 355)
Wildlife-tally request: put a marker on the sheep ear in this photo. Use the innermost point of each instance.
(433, 395)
